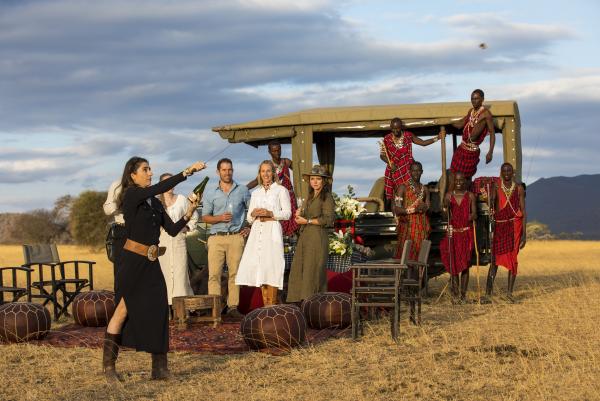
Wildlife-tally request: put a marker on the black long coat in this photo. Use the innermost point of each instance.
(141, 282)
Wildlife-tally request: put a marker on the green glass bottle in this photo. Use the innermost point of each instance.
(200, 187)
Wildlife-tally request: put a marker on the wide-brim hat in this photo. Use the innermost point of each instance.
(317, 170)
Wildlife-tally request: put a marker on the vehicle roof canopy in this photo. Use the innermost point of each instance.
(322, 125)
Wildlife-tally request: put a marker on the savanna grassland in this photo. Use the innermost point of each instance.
(545, 347)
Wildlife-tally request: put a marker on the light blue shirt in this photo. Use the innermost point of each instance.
(215, 202)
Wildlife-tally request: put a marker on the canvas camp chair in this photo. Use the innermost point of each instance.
(19, 284)
(56, 282)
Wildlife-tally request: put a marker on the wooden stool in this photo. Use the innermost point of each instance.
(183, 305)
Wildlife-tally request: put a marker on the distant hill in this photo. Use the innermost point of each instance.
(566, 204)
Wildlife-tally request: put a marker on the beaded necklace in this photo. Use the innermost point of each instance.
(414, 189)
(279, 166)
(400, 143)
(508, 191)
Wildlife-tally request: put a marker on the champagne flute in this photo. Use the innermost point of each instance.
(230, 211)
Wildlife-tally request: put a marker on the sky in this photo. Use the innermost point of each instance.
(85, 85)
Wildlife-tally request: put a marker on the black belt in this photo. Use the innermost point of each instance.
(226, 232)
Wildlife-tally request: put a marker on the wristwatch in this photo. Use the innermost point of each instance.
(308, 221)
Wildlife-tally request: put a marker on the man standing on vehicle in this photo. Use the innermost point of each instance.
(224, 207)
(476, 125)
(509, 230)
(396, 152)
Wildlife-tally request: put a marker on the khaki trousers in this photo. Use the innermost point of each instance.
(221, 249)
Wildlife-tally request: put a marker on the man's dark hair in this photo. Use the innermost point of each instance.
(224, 160)
(479, 92)
(273, 143)
(417, 163)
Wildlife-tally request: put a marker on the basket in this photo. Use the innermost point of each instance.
(339, 263)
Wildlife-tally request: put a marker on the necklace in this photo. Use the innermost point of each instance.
(508, 191)
(278, 166)
(474, 117)
(400, 142)
(414, 189)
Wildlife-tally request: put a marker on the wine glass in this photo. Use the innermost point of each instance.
(230, 211)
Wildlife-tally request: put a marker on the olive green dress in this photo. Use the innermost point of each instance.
(307, 276)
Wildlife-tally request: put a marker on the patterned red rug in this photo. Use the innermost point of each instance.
(200, 338)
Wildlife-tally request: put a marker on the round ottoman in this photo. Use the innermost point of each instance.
(277, 326)
(23, 321)
(328, 310)
(93, 308)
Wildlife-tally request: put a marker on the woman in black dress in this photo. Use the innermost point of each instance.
(141, 319)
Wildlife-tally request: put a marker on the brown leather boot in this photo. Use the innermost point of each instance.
(265, 294)
(272, 295)
(109, 355)
(160, 370)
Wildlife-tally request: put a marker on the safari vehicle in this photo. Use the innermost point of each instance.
(322, 126)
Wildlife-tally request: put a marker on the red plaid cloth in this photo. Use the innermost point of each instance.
(461, 241)
(414, 227)
(483, 185)
(463, 159)
(402, 158)
(504, 234)
(288, 226)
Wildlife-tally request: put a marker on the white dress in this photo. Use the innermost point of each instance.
(262, 261)
(174, 262)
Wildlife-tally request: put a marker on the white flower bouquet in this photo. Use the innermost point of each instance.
(346, 207)
(340, 243)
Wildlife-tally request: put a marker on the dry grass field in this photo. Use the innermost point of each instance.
(545, 347)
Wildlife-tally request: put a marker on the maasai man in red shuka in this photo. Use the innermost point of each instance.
(510, 228)
(396, 152)
(457, 247)
(282, 167)
(476, 125)
(411, 211)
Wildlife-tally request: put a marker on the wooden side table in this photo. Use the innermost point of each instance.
(182, 306)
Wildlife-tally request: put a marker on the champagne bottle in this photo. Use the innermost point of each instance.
(200, 188)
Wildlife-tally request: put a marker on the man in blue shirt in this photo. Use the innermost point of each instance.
(224, 207)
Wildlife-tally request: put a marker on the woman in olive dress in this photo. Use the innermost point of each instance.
(308, 276)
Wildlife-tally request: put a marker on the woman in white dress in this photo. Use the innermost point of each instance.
(174, 262)
(262, 263)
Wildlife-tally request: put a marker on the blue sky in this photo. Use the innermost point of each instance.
(87, 84)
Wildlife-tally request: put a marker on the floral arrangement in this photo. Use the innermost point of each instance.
(340, 243)
(347, 207)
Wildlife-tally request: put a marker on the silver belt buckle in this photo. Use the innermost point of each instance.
(152, 253)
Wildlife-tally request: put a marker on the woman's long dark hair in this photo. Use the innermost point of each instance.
(324, 191)
(126, 181)
(161, 197)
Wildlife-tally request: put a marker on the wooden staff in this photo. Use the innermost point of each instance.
(477, 267)
(387, 156)
(444, 180)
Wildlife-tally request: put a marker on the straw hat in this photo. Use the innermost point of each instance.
(317, 170)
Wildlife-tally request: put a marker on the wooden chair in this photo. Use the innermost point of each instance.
(412, 284)
(14, 288)
(55, 278)
(378, 283)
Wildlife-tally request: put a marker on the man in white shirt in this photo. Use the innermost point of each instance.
(116, 232)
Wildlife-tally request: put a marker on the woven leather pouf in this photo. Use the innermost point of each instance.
(23, 321)
(94, 308)
(328, 310)
(277, 326)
